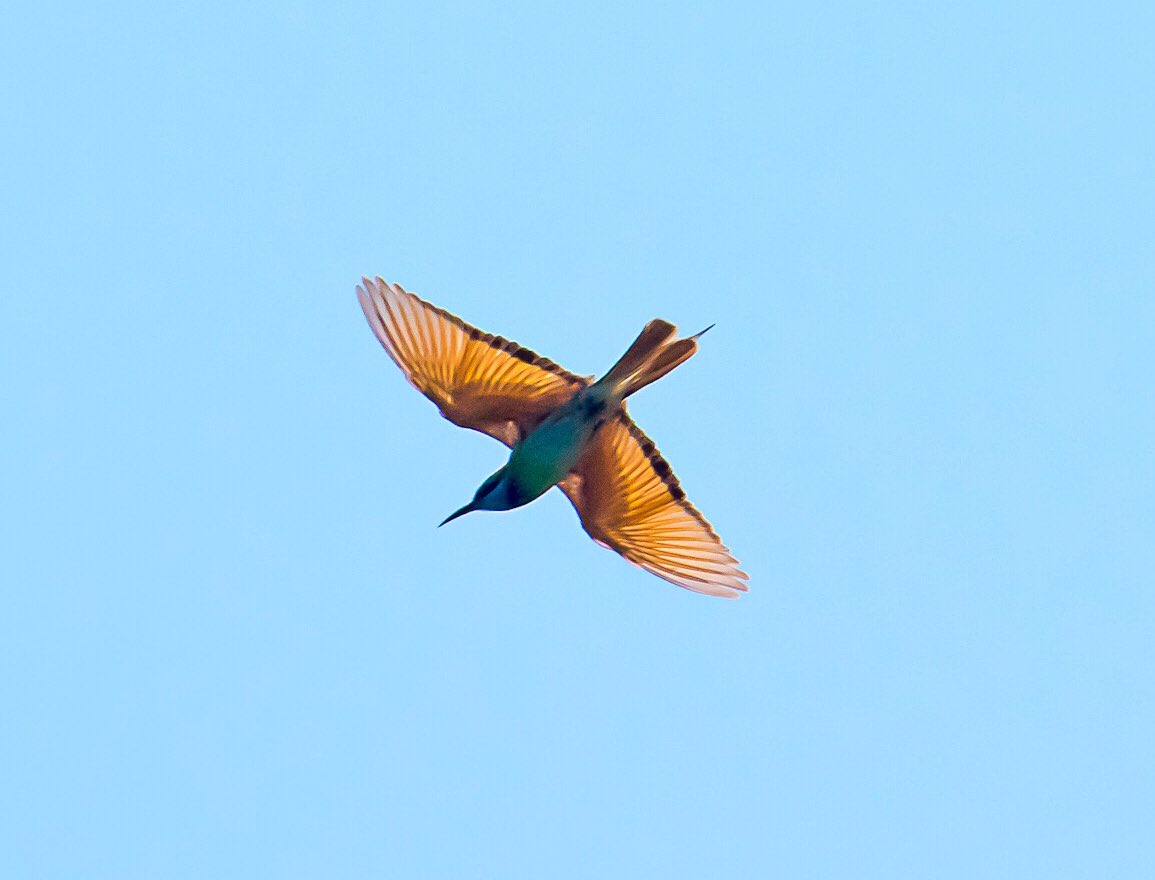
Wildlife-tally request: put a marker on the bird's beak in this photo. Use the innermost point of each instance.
(466, 509)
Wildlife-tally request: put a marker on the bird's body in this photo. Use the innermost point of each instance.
(564, 430)
(549, 453)
(552, 450)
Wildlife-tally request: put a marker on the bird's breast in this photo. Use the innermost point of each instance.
(550, 451)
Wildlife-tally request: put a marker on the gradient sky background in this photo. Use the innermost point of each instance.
(234, 644)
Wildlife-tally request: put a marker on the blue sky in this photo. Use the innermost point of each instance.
(234, 644)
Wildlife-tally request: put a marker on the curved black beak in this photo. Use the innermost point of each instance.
(466, 509)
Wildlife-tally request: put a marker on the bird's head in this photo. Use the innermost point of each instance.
(493, 494)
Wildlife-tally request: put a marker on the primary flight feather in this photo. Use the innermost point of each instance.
(564, 430)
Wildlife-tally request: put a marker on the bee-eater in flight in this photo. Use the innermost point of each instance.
(564, 430)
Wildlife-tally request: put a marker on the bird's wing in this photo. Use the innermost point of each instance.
(477, 380)
(630, 501)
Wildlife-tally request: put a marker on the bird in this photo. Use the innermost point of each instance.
(563, 430)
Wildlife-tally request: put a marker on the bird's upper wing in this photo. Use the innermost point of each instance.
(630, 501)
(477, 380)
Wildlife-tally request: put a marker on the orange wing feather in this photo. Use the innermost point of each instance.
(476, 379)
(629, 500)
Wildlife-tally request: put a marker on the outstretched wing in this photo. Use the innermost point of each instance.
(477, 380)
(630, 501)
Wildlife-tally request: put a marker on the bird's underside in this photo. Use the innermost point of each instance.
(625, 493)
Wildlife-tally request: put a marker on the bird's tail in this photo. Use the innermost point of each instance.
(649, 358)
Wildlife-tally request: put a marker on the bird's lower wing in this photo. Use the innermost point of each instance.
(630, 501)
(477, 380)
